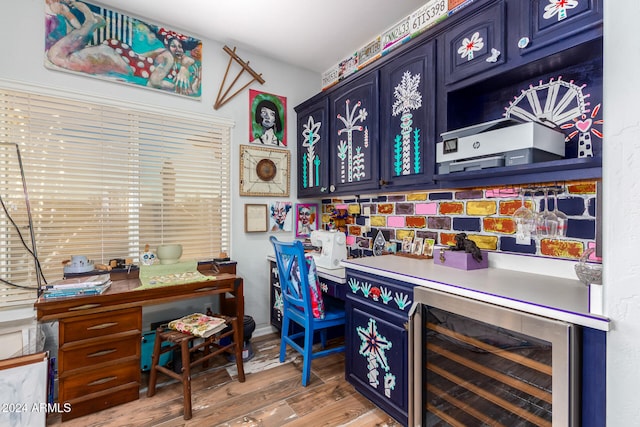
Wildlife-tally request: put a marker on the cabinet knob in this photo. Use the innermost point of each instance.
(523, 42)
(323, 189)
(332, 188)
(383, 183)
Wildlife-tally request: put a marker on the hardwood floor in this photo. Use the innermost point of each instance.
(271, 396)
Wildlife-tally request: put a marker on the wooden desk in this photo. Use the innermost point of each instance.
(99, 337)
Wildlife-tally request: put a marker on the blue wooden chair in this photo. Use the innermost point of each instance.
(297, 307)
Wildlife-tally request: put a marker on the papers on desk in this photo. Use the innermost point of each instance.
(157, 275)
(75, 286)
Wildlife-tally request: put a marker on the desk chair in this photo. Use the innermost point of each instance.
(193, 354)
(297, 298)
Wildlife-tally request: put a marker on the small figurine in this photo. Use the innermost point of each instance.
(467, 245)
(147, 257)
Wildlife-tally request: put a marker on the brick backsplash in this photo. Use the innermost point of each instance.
(483, 214)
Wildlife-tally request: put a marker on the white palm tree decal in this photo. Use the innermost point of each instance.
(345, 150)
(408, 98)
(311, 136)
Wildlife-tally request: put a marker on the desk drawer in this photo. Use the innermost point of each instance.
(99, 325)
(88, 382)
(94, 352)
(102, 400)
(331, 288)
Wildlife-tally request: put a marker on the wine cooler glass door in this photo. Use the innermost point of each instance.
(479, 364)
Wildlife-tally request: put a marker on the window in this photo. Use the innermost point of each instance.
(104, 180)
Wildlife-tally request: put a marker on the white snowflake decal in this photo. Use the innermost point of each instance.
(407, 95)
(311, 132)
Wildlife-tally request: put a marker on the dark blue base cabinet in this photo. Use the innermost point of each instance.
(377, 341)
(377, 350)
(594, 378)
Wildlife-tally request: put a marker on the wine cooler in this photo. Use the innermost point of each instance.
(477, 364)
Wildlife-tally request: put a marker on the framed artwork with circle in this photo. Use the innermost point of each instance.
(306, 219)
(264, 171)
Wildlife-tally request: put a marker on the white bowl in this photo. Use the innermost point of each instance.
(169, 254)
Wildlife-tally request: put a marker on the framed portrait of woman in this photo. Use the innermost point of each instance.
(306, 219)
(280, 216)
(268, 123)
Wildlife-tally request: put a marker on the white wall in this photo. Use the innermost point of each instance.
(22, 29)
(621, 210)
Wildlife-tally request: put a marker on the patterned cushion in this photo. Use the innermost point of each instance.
(317, 304)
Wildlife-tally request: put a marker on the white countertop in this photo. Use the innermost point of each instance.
(556, 296)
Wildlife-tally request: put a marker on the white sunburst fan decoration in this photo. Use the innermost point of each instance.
(558, 104)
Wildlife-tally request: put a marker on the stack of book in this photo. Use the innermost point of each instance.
(198, 324)
(75, 286)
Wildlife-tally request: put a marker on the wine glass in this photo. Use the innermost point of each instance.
(546, 221)
(524, 219)
(562, 219)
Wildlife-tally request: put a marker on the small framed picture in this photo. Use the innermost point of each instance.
(255, 218)
(280, 218)
(427, 247)
(306, 219)
(390, 247)
(406, 244)
(417, 246)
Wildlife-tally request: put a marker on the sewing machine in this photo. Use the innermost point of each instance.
(333, 248)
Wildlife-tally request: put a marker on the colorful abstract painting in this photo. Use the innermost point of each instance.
(268, 119)
(280, 216)
(306, 219)
(91, 40)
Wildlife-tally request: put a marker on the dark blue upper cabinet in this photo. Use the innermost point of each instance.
(475, 44)
(407, 113)
(354, 136)
(313, 148)
(526, 59)
(546, 27)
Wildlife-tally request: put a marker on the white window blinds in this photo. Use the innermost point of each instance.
(104, 180)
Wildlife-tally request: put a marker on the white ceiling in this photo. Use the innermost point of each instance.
(312, 35)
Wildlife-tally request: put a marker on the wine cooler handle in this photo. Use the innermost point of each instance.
(415, 375)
